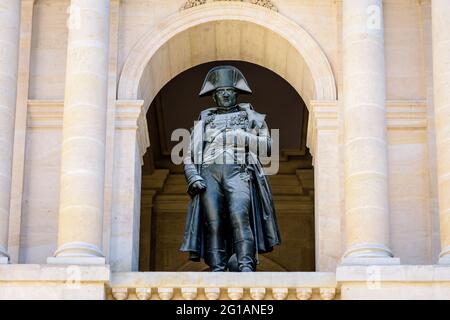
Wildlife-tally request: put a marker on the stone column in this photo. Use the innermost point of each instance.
(365, 134)
(9, 58)
(441, 86)
(84, 135)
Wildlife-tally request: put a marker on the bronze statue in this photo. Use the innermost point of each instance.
(231, 215)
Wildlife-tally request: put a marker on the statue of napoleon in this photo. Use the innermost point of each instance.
(231, 215)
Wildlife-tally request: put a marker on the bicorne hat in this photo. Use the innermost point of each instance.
(224, 76)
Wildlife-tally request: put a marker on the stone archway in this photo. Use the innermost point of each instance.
(161, 53)
(220, 31)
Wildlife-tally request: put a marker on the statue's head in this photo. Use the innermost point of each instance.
(225, 83)
(225, 97)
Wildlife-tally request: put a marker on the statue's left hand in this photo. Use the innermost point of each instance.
(196, 188)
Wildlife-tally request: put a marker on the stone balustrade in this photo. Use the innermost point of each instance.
(222, 286)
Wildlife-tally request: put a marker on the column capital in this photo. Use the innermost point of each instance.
(323, 116)
(131, 115)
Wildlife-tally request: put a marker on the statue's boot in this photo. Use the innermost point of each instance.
(217, 260)
(245, 253)
(233, 264)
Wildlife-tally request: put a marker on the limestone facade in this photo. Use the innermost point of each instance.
(77, 78)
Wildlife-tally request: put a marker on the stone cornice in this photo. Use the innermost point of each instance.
(405, 114)
(401, 114)
(323, 116)
(129, 115)
(45, 114)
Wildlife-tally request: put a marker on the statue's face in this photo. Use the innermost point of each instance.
(226, 97)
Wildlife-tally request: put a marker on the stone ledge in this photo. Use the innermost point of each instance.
(85, 261)
(393, 273)
(370, 261)
(53, 273)
(228, 279)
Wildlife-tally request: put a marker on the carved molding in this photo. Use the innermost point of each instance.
(400, 114)
(193, 3)
(407, 114)
(235, 293)
(280, 293)
(189, 293)
(212, 293)
(327, 293)
(165, 293)
(120, 293)
(258, 293)
(143, 293)
(304, 293)
(263, 3)
(255, 286)
(45, 114)
(130, 115)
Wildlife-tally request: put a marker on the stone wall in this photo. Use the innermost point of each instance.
(413, 222)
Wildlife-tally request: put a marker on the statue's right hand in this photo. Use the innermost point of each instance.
(197, 187)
